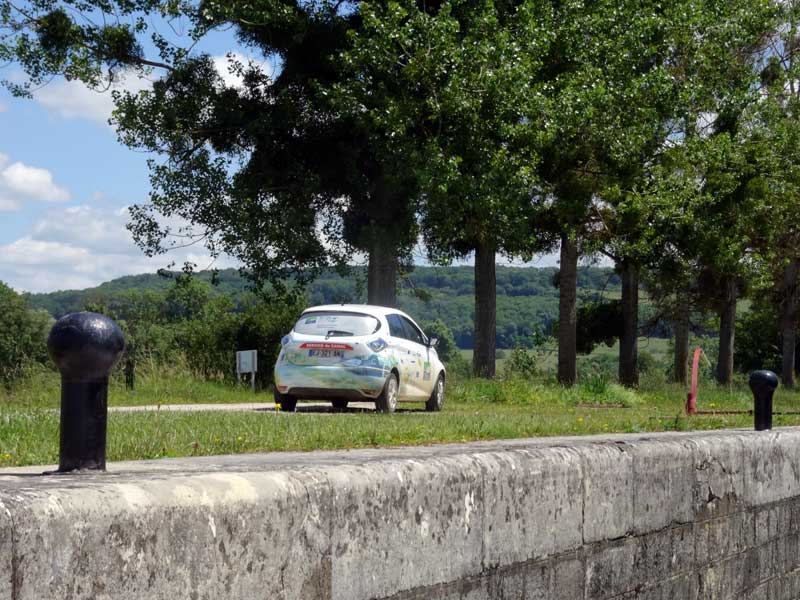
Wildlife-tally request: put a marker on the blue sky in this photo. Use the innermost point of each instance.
(65, 183)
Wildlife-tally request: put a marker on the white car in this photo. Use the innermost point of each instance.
(344, 352)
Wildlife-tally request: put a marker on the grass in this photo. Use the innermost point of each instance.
(474, 410)
(42, 389)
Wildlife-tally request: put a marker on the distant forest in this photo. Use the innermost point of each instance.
(527, 297)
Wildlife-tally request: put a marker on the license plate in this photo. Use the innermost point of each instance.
(326, 353)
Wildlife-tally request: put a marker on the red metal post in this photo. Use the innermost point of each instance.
(691, 398)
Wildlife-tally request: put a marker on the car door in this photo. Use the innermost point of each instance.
(402, 353)
(420, 376)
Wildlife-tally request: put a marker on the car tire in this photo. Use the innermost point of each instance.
(436, 401)
(387, 401)
(286, 402)
(339, 404)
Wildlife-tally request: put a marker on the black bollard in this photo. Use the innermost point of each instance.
(85, 347)
(763, 384)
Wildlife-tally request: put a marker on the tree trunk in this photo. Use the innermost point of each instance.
(483, 357)
(681, 326)
(567, 311)
(382, 276)
(629, 336)
(789, 322)
(727, 329)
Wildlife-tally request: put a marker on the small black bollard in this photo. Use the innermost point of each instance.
(85, 347)
(763, 384)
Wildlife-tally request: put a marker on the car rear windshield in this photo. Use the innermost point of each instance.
(335, 323)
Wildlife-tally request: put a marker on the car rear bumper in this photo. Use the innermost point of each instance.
(330, 381)
(328, 394)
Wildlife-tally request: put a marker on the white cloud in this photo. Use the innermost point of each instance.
(73, 100)
(21, 183)
(3, 108)
(83, 246)
(9, 205)
(32, 182)
(223, 65)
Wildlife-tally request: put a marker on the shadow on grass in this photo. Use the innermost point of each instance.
(323, 409)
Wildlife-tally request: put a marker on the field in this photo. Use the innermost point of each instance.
(474, 410)
(657, 348)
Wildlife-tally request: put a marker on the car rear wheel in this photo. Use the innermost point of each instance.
(339, 404)
(436, 401)
(284, 402)
(387, 401)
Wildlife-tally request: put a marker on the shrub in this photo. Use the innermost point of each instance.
(522, 364)
(758, 340)
(23, 335)
(447, 349)
(212, 340)
(646, 362)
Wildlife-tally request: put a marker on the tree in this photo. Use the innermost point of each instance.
(23, 335)
(644, 63)
(462, 105)
(719, 203)
(698, 120)
(669, 287)
(270, 171)
(610, 77)
(778, 115)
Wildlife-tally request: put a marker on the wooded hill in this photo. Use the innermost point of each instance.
(527, 297)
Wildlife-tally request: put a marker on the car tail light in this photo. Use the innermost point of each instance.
(377, 345)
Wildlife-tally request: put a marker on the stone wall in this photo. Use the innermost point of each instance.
(668, 516)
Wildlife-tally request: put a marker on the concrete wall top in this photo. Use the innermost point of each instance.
(12, 477)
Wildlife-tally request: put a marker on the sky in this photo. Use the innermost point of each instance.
(66, 183)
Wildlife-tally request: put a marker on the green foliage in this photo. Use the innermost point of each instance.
(446, 347)
(596, 384)
(211, 340)
(187, 299)
(664, 133)
(758, 339)
(521, 364)
(191, 322)
(23, 335)
(456, 365)
(646, 362)
(262, 324)
(598, 322)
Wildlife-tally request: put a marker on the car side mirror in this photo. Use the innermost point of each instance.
(433, 342)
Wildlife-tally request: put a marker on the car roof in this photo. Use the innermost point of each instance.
(369, 309)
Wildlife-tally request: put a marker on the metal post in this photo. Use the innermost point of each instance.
(85, 347)
(691, 397)
(763, 384)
